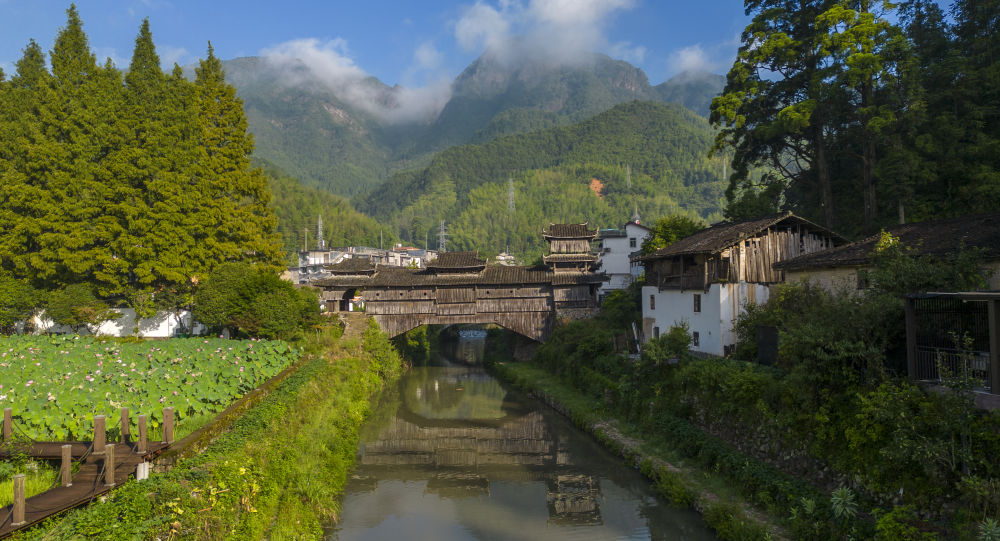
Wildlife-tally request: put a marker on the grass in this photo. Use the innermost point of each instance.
(39, 477)
(277, 473)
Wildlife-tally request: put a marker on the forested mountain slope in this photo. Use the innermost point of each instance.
(298, 208)
(309, 130)
(640, 156)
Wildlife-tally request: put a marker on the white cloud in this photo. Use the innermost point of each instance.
(624, 50)
(170, 55)
(561, 31)
(575, 13)
(329, 63)
(690, 58)
(427, 57)
(482, 26)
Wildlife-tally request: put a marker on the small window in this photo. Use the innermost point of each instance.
(652, 302)
(697, 302)
(695, 339)
(656, 332)
(631, 242)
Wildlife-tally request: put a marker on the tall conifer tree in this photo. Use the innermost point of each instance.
(244, 229)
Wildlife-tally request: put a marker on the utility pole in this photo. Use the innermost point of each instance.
(628, 175)
(442, 237)
(319, 233)
(511, 207)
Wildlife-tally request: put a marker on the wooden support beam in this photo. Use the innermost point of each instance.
(140, 445)
(994, 321)
(125, 430)
(109, 465)
(100, 434)
(67, 462)
(168, 425)
(910, 313)
(18, 514)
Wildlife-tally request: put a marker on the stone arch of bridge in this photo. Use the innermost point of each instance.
(536, 327)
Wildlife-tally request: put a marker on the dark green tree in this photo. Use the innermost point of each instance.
(775, 110)
(864, 50)
(77, 307)
(233, 194)
(18, 301)
(669, 230)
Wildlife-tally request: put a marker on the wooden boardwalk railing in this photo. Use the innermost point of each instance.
(102, 467)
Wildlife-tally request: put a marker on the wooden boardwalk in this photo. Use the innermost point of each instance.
(88, 483)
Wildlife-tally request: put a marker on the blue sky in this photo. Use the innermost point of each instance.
(412, 43)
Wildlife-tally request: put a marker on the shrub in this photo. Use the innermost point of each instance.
(254, 302)
(76, 306)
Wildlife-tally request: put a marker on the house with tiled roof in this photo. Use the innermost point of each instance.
(708, 278)
(844, 268)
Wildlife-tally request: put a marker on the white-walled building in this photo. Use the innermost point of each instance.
(707, 279)
(616, 248)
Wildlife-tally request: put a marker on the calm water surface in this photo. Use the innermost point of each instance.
(451, 454)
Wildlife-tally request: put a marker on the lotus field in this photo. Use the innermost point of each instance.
(55, 385)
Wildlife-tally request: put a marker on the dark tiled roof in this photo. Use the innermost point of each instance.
(352, 266)
(502, 275)
(611, 233)
(568, 258)
(569, 231)
(935, 238)
(457, 260)
(725, 234)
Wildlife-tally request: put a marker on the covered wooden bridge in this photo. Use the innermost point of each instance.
(459, 287)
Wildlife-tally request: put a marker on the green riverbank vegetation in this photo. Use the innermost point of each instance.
(831, 443)
(277, 473)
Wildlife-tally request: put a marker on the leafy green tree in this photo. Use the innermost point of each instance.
(865, 50)
(76, 306)
(136, 185)
(253, 301)
(237, 224)
(898, 271)
(779, 123)
(669, 230)
(18, 302)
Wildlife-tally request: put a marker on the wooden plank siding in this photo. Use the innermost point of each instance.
(749, 260)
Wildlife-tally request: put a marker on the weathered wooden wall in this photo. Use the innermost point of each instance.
(749, 260)
(527, 310)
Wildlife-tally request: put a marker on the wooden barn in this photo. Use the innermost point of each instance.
(706, 279)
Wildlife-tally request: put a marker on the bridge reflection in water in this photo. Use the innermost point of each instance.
(451, 454)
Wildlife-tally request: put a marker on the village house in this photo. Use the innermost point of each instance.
(706, 279)
(934, 320)
(616, 249)
(845, 268)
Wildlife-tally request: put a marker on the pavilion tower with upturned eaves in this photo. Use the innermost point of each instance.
(569, 247)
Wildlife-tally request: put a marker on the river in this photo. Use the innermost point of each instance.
(452, 454)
